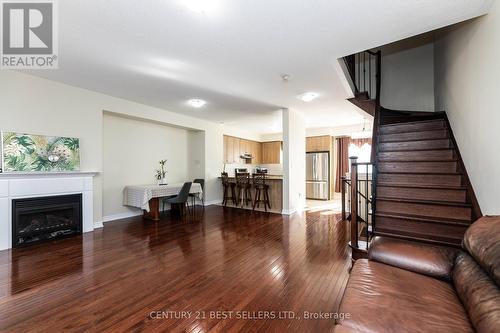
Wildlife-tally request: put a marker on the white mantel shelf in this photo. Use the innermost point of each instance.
(18, 185)
(48, 174)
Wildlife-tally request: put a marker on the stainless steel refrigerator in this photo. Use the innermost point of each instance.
(318, 176)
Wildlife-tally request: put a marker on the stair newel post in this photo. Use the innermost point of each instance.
(354, 201)
(343, 186)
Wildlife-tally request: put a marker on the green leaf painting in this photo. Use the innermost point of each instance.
(39, 153)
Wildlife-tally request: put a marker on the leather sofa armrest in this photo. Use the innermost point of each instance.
(431, 260)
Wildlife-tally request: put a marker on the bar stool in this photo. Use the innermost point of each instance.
(243, 188)
(259, 183)
(227, 186)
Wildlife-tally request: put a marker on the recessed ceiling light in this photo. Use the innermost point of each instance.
(308, 96)
(196, 102)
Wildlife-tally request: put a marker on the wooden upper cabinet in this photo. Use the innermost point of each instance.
(235, 147)
(318, 143)
(271, 152)
(228, 149)
(236, 150)
(256, 152)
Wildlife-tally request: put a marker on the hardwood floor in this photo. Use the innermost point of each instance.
(130, 274)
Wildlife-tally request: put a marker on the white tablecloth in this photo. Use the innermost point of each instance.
(139, 196)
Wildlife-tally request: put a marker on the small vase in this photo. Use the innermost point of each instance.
(162, 181)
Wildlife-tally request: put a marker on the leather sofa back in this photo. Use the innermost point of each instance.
(476, 275)
(482, 241)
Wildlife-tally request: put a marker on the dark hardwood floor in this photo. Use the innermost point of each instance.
(130, 274)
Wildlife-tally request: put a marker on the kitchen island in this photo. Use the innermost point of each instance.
(275, 183)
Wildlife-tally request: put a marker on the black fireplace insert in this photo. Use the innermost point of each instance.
(40, 219)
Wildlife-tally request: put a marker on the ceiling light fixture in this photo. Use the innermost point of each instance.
(364, 134)
(308, 96)
(196, 102)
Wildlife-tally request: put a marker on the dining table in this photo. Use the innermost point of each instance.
(147, 197)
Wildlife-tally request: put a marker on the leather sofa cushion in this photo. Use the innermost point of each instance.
(482, 241)
(436, 261)
(382, 298)
(479, 294)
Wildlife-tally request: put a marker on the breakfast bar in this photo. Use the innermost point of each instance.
(275, 190)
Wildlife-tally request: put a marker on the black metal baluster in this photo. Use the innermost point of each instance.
(370, 74)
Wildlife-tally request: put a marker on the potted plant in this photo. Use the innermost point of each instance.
(161, 173)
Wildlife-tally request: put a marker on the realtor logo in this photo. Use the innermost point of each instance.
(29, 34)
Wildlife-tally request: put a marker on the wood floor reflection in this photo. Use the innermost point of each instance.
(136, 275)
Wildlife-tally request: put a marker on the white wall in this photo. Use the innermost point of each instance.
(35, 105)
(294, 170)
(467, 72)
(131, 151)
(408, 76)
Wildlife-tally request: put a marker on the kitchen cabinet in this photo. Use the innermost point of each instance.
(228, 149)
(236, 150)
(318, 143)
(235, 147)
(271, 152)
(256, 152)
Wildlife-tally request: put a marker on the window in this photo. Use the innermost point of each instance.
(363, 153)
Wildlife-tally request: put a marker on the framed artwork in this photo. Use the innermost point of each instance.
(39, 153)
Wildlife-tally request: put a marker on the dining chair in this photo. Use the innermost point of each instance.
(194, 195)
(181, 199)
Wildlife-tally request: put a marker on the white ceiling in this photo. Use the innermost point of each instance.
(161, 53)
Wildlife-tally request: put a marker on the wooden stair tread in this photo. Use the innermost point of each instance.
(416, 161)
(413, 140)
(426, 219)
(415, 122)
(412, 150)
(421, 173)
(427, 202)
(423, 186)
(422, 238)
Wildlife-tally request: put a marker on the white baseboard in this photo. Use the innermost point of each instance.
(98, 225)
(289, 212)
(120, 216)
(213, 202)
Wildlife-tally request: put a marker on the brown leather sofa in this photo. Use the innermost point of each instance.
(414, 287)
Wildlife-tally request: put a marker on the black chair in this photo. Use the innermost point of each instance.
(181, 199)
(193, 195)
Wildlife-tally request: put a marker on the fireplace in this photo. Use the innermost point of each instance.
(40, 219)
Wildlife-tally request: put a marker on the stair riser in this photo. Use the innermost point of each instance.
(427, 230)
(438, 134)
(422, 194)
(423, 155)
(415, 145)
(427, 210)
(402, 128)
(445, 180)
(418, 167)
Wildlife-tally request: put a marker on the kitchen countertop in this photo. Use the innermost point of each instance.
(268, 177)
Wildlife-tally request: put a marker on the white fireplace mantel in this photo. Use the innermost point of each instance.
(26, 185)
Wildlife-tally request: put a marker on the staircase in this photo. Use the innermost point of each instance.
(422, 190)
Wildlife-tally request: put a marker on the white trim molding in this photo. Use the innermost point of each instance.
(29, 185)
(119, 216)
